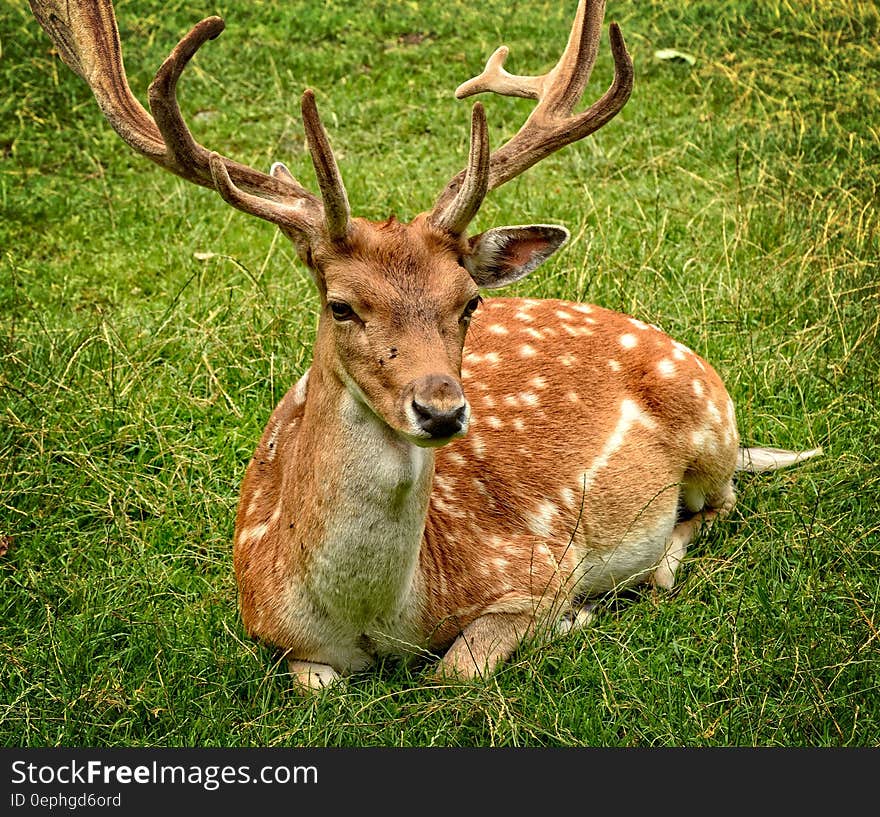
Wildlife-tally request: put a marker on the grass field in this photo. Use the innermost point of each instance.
(147, 330)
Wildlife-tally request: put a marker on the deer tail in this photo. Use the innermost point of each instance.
(770, 459)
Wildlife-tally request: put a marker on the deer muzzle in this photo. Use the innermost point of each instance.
(437, 408)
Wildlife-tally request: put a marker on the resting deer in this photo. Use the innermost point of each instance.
(449, 475)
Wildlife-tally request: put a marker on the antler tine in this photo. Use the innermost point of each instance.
(458, 214)
(562, 86)
(551, 124)
(289, 216)
(337, 213)
(188, 156)
(192, 161)
(180, 146)
(568, 78)
(495, 79)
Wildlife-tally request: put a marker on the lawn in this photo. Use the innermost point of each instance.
(147, 330)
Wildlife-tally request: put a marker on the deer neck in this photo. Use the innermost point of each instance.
(364, 491)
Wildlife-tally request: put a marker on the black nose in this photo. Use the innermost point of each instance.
(437, 422)
(438, 405)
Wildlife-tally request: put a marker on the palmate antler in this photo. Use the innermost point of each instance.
(551, 125)
(87, 38)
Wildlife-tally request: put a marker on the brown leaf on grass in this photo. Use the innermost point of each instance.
(5, 544)
(415, 37)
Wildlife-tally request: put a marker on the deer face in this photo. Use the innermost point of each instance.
(395, 309)
(397, 300)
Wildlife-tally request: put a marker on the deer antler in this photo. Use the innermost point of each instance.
(551, 125)
(458, 214)
(87, 38)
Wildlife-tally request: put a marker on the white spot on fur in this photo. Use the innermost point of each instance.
(253, 534)
(539, 521)
(465, 373)
(488, 400)
(492, 357)
(299, 390)
(455, 458)
(443, 484)
(529, 398)
(571, 330)
(614, 365)
(477, 445)
(498, 329)
(510, 400)
(567, 360)
(697, 386)
(538, 382)
(253, 505)
(494, 422)
(573, 396)
(519, 425)
(563, 315)
(270, 443)
(569, 499)
(713, 412)
(628, 341)
(533, 333)
(704, 439)
(641, 325)
(666, 367)
(480, 488)
(630, 414)
(500, 564)
(524, 316)
(527, 351)
(582, 308)
(440, 504)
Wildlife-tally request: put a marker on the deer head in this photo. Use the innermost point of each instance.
(396, 298)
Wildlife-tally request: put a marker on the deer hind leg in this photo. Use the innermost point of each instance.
(484, 643)
(705, 509)
(579, 617)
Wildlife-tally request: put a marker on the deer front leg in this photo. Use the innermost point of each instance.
(311, 676)
(483, 643)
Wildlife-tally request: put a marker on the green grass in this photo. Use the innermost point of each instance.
(733, 203)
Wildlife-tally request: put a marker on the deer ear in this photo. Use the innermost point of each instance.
(503, 255)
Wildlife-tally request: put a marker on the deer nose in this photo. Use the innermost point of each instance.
(439, 406)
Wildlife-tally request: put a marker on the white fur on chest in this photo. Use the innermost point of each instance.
(362, 572)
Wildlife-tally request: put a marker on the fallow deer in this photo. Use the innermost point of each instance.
(448, 475)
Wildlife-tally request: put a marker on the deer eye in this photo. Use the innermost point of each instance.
(341, 311)
(471, 307)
